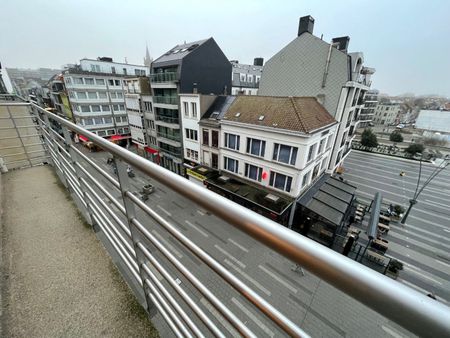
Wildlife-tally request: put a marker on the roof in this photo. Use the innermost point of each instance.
(300, 114)
(179, 52)
(219, 107)
(329, 198)
(244, 68)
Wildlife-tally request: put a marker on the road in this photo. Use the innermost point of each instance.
(317, 307)
(423, 243)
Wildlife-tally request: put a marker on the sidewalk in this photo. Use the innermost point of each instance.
(56, 278)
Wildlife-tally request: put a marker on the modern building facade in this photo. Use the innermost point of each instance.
(387, 113)
(245, 78)
(59, 96)
(309, 66)
(367, 113)
(96, 93)
(198, 67)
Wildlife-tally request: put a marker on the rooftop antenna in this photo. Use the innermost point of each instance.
(126, 61)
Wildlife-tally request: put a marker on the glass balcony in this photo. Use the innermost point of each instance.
(166, 99)
(167, 119)
(163, 77)
(170, 136)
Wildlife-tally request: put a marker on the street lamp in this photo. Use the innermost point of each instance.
(445, 162)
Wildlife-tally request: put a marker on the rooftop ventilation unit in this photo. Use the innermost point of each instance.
(224, 179)
(271, 198)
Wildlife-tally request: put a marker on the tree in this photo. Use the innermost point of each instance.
(396, 136)
(414, 148)
(369, 139)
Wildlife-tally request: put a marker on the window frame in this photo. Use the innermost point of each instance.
(287, 186)
(227, 141)
(262, 147)
(293, 154)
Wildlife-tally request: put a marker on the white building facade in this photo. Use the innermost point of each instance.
(386, 113)
(245, 78)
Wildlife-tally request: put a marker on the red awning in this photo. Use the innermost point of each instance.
(116, 137)
(83, 138)
(150, 150)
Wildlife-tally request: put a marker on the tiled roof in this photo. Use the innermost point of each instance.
(302, 114)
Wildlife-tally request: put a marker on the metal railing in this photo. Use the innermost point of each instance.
(167, 119)
(141, 250)
(164, 77)
(176, 138)
(166, 99)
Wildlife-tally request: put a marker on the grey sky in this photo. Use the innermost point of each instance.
(406, 41)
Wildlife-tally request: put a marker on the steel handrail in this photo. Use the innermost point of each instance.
(409, 308)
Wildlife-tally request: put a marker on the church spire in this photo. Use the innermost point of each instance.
(147, 60)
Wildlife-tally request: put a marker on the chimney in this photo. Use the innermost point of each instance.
(194, 88)
(258, 61)
(306, 24)
(341, 43)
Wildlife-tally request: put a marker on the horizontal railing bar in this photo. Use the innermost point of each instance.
(56, 133)
(102, 189)
(107, 208)
(97, 167)
(168, 308)
(25, 145)
(230, 316)
(21, 136)
(24, 153)
(130, 267)
(120, 241)
(75, 190)
(183, 294)
(409, 308)
(17, 117)
(20, 127)
(66, 161)
(172, 301)
(277, 317)
(15, 154)
(17, 104)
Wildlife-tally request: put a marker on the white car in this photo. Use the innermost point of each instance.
(400, 126)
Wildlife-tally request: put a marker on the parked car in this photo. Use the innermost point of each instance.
(400, 126)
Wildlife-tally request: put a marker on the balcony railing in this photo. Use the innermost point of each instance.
(170, 137)
(164, 77)
(141, 250)
(166, 99)
(167, 119)
(176, 153)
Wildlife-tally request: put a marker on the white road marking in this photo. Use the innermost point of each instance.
(446, 230)
(201, 212)
(226, 253)
(243, 248)
(437, 260)
(253, 317)
(418, 288)
(279, 279)
(170, 246)
(250, 279)
(164, 210)
(421, 274)
(391, 331)
(197, 228)
(219, 318)
(432, 202)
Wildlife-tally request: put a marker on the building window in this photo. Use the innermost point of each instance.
(321, 145)
(124, 71)
(85, 109)
(324, 162)
(113, 70)
(186, 108)
(89, 81)
(95, 108)
(214, 138)
(121, 107)
(253, 172)
(98, 120)
(280, 181)
(316, 171)
(81, 95)
(101, 133)
(119, 95)
(312, 149)
(194, 109)
(78, 80)
(100, 82)
(305, 179)
(148, 106)
(284, 153)
(232, 141)
(68, 80)
(230, 164)
(192, 154)
(117, 82)
(205, 137)
(111, 82)
(102, 95)
(256, 147)
(92, 95)
(329, 141)
(108, 120)
(87, 122)
(191, 134)
(214, 161)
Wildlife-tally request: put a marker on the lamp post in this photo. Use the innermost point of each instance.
(417, 192)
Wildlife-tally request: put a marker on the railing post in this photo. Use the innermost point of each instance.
(42, 137)
(19, 136)
(74, 158)
(136, 236)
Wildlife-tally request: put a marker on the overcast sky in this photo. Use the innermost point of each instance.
(408, 42)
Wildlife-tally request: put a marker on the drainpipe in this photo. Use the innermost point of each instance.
(327, 66)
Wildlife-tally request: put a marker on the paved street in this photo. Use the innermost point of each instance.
(423, 243)
(317, 307)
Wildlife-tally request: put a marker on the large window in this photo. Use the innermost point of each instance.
(321, 145)
(284, 153)
(85, 109)
(191, 134)
(256, 147)
(232, 141)
(92, 95)
(214, 161)
(98, 120)
(186, 108)
(253, 172)
(280, 181)
(81, 95)
(311, 151)
(95, 108)
(78, 80)
(89, 80)
(205, 137)
(305, 179)
(192, 154)
(106, 107)
(100, 82)
(102, 95)
(230, 164)
(194, 109)
(215, 138)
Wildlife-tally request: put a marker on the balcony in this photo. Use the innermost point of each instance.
(167, 119)
(171, 137)
(164, 77)
(206, 265)
(173, 100)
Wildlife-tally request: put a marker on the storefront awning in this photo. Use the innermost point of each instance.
(83, 138)
(117, 137)
(151, 150)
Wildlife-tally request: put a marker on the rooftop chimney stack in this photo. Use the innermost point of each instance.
(341, 43)
(258, 61)
(306, 24)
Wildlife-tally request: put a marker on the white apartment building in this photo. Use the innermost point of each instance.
(386, 113)
(280, 143)
(96, 94)
(193, 106)
(245, 78)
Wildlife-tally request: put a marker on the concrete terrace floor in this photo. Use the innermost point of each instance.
(56, 278)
